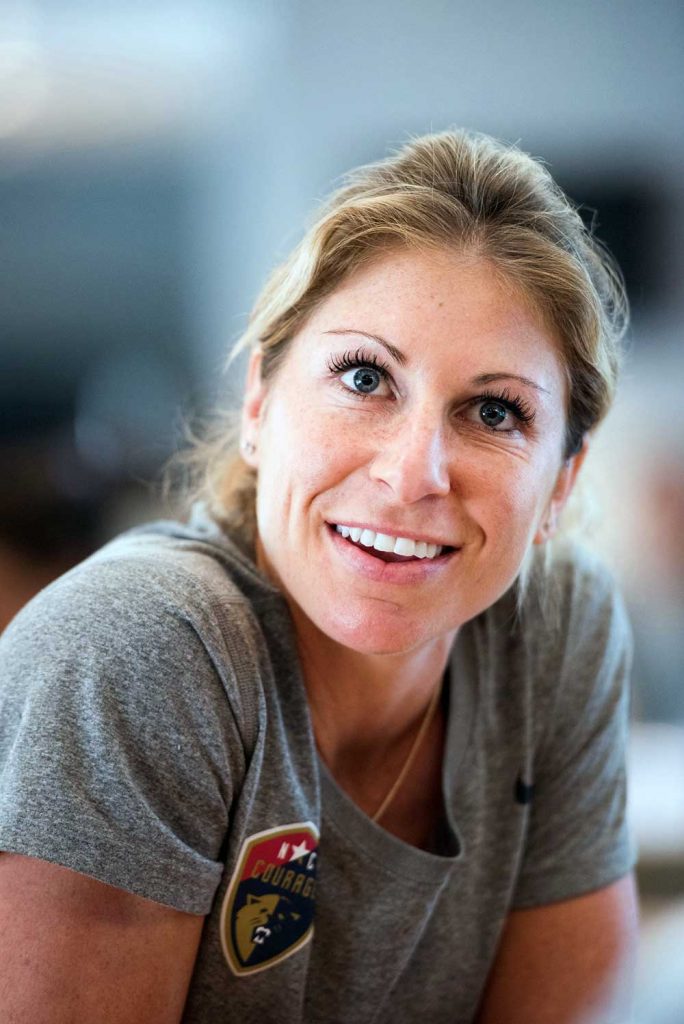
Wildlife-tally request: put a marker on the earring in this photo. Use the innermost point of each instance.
(545, 528)
(248, 448)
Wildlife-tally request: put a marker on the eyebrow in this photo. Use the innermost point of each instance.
(481, 379)
(488, 378)
(396, 353)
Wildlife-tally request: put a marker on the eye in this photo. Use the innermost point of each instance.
(365, 379)
(503, 413)
(360, 373)
(493, 414)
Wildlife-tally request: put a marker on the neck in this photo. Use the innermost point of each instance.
(363, 704)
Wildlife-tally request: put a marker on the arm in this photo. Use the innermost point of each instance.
(74, 949)
(118, 747)
(569, 962)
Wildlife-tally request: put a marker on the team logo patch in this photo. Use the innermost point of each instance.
(268, 908)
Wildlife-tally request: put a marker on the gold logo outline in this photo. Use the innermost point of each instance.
(229, 899)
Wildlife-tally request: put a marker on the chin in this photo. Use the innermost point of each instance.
(380, 632)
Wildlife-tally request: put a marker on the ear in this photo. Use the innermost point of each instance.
(561, 492)
(252, 408)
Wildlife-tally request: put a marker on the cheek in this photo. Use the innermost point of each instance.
(302, 451)
(510, 502)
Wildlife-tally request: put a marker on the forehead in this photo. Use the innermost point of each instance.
(441, 307)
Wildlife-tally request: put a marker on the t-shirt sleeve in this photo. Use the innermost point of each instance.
(118, 747)
(578, 839)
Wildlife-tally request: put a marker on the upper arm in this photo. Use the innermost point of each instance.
(75, 949)
(118, 746)
(569, 962)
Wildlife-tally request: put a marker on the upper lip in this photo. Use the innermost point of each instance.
(393, 531)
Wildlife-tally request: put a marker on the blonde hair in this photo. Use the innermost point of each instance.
(457, 189)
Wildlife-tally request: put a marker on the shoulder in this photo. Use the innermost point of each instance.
(583, 573)
(127, 721)
(147, 585)
(573, 600)
(568, 608)
(579, 648)
(137, 621)
(561, 654)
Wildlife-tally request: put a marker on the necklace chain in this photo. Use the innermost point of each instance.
(427, 719)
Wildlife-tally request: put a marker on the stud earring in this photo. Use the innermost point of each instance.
(248, 448)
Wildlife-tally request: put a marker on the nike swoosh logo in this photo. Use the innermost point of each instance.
(524, 791)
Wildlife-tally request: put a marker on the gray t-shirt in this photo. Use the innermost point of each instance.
(155, 734)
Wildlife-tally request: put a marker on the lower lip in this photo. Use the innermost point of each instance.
(416, 571)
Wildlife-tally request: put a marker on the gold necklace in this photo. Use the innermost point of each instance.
(427, 719)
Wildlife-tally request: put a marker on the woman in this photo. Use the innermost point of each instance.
(364, 678)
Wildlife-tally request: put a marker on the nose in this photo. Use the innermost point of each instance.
(413, 459)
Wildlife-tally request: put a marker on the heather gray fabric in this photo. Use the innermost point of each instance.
(153, 718)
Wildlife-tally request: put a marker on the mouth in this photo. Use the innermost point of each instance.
(389, 548)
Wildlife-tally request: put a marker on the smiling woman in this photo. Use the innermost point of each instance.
(401, 444)
(369, 649)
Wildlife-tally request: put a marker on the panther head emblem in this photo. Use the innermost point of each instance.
(256, 921)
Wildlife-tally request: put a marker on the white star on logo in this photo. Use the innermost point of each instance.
(299, 850)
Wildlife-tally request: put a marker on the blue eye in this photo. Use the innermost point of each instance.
(492, 411)
(368, 372)
(365, 379)
(495, 410)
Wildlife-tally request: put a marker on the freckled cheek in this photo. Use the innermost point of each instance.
(506, 505)
(304, 454)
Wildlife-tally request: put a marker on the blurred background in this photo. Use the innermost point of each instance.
(158, 158)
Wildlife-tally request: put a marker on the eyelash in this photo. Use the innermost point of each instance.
(353, 360)
(515, 404)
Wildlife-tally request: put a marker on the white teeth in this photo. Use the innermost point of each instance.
(385, 542)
